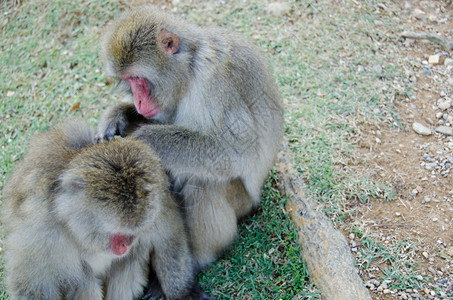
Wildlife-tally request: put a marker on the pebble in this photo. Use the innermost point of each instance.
(450, 81)
(444, 130)
(278, 8)
(421, 129)
(433, 59)
(418, 13)
(445, 104)
(448, 62)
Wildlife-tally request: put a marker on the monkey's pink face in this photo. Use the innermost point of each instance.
(145, 104)
(120, 243)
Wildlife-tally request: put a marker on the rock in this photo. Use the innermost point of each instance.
(419, 14)
(450, 251)
(278, 8)
(445, 130)
(444, 104)
(448, 62)
(433, 59)
(421, 129)
(450, 81)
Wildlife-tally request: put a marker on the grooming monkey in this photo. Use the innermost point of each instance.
(206, 103)
(84, 217)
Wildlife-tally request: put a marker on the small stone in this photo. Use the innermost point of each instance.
(444, 130)
(380, 289)
(421, 129)
(433, 59)
(426, 71)
(432, 270)
(419, 14)
(278, 8)
(386, 291)
(450, 251)
(378, 68)
(448, 62)
(444, 105)
(425, 254)
(10, 93)
(419, 277)
(450, 81)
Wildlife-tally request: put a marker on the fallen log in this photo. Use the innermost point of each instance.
(329, 260)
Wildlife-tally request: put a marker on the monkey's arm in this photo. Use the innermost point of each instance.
(128, 276)
(187, 152)
(120, 119)
(172, 260)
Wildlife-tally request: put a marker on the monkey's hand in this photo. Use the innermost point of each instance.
(120, 119)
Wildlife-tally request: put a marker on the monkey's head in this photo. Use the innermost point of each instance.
(150, 57)
(110, 194)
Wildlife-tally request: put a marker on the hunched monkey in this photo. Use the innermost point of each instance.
(204, 100)
(82, 216)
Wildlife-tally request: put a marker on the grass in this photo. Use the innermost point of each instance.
(265, 262)
(330, 71)
(51, 72)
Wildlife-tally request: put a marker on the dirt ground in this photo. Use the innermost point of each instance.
(419, 167)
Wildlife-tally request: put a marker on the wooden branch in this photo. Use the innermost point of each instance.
(446, 44)
(329, 259)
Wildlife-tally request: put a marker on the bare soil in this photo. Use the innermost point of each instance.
(417, 167)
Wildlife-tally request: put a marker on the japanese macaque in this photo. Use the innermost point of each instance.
(87, 221)
(205, 101)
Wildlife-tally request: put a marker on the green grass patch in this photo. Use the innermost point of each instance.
(265, 262)
(51, 72)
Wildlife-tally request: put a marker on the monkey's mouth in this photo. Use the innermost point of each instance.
(121, 243)
(145, 104)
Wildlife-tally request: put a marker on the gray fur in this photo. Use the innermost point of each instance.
(220, 121)
(65, 201)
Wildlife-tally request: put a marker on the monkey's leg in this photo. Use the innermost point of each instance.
(210, 218)
(238, 197)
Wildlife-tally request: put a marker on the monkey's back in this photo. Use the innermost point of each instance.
(36, 175)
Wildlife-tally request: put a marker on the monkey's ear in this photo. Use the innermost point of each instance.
(168, 41)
